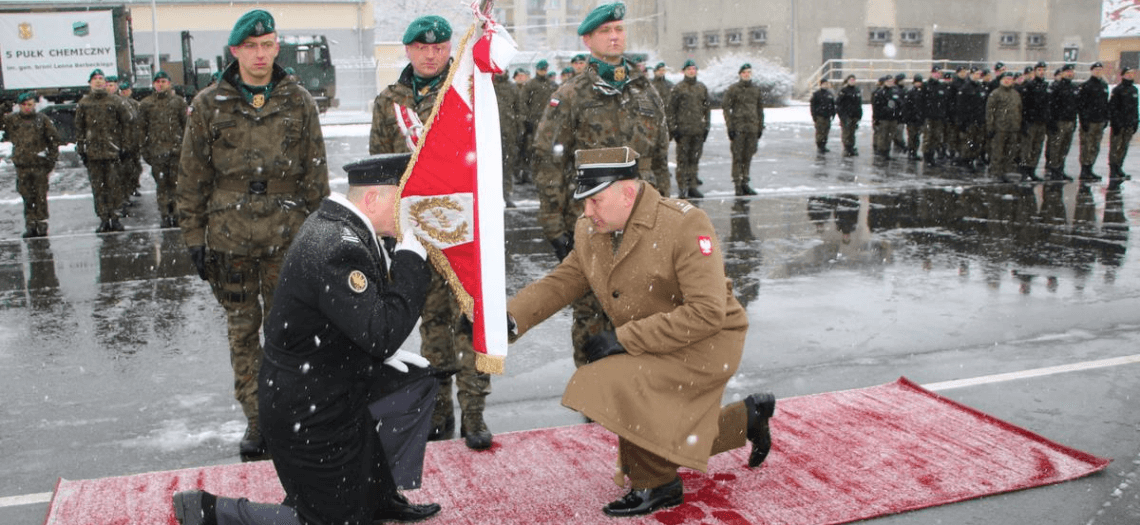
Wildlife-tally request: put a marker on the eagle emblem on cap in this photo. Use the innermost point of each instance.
(619, 11)
(357, 282)
(429, 36)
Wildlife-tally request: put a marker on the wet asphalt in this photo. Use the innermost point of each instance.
(113, 355)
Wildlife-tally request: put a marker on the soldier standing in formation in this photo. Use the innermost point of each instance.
(507, 96)
(533, 97)
(913, 116)
(689, 111)
(1122, 118)
(578, 63)
(398, 114)
(822, 113)
(103, 133)
(955, 128)
(132, 168)
(744, 115)
(1092, 108)
(35, 149)
(1003, 125)
(1063, 109)
(162, 119)
(1035, 120)
(936, 99)
(850, 110)
(885, 108)
(971, 116)
(660, 83)
(610, 104)
(252, 169)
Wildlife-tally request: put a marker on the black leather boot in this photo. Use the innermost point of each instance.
(760, 406)
(638, 502)
(398, 508)
(1088, 175)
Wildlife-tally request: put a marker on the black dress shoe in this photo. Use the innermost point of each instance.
(760, 408)
(644, 501)
(400, 509)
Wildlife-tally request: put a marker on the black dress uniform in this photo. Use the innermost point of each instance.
(1092, 108)
(849, 107)
(1122, 119)
(1063, 111)
(1034, 120)
(936, 95)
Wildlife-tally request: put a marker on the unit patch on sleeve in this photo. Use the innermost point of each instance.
(357, 282)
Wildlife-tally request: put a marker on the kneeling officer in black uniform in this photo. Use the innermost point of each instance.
(344, 416)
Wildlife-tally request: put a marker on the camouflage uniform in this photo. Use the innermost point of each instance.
(1035, 116)
(1122, 123)
(1092, 107)
(35, 149)
(508, 98)
(103, 133)
(440, 342)
(533, 99)
(588, 113)
(131, 168)
(689, 111)
(664, 87)
(822, 113)
(162, 118)
(248, 179)
(744, 114)
(1063, 110)
(1003, 125)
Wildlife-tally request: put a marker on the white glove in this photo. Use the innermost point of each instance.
(401, 359)
(412, 244)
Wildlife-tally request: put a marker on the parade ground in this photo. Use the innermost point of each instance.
(1015, 300)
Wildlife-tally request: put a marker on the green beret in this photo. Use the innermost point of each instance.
(689, 62)
(600, 15)
(430, 29)
(161, 74)
(25, 96)
(578, 58)
(256, 22)
(112, 79)
(742, 68)
(93, 73)
(542, 65)
(567, 70)
(126, 84)
(660, 65)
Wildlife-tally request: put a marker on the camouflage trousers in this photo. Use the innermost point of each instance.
(1057, 147)
(935, 135)
(914, 136)
(689, 150)
(849, 126)
(743, 148)
(510, 159)
(244, 286)
(104, 177)
(822, 130)
(129, 181)
(973, 141)
(32, 185)
(1032, 143)
(165, 173)
(884, 136)
(1118, 140)
(1092, 133)
(1003, 148)
(449, 349)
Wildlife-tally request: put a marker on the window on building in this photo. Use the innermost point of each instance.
(554, 4)
(689, 40)
(733, 37)
(1009, 39)
(878, 35)
(910, 37)
(712, 39)
(1035, 40)
(758, 35)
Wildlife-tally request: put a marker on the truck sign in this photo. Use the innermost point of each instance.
(55, 49)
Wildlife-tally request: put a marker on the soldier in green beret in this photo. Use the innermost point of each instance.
(252, 169)
(35, 149)
(611, 104)
(578, 63)
(131, 168)
(744, 114)
(690, 112)
(103, 124)
(162, 119)
(398, 114)
(533, 98)
(660, 83)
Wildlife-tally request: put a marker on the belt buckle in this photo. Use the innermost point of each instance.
(258, 187)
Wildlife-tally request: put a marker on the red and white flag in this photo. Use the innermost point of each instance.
(451, 196)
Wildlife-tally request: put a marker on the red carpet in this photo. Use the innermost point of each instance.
(836, 458)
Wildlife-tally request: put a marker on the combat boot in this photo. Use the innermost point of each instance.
(746, 190)
(694, 193)
(1029, 174)
(821, 147)
(913, 155)
(760, 408)
(474, 432)
(1115, 173)
(104, 226)
(115, 225)
(252, 445)
(443, 415)
(1087, 174)
(41, 229)
(29, 229)
(930, 162)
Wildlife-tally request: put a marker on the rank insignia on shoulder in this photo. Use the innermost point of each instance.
(704, 242)
(357, 282)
